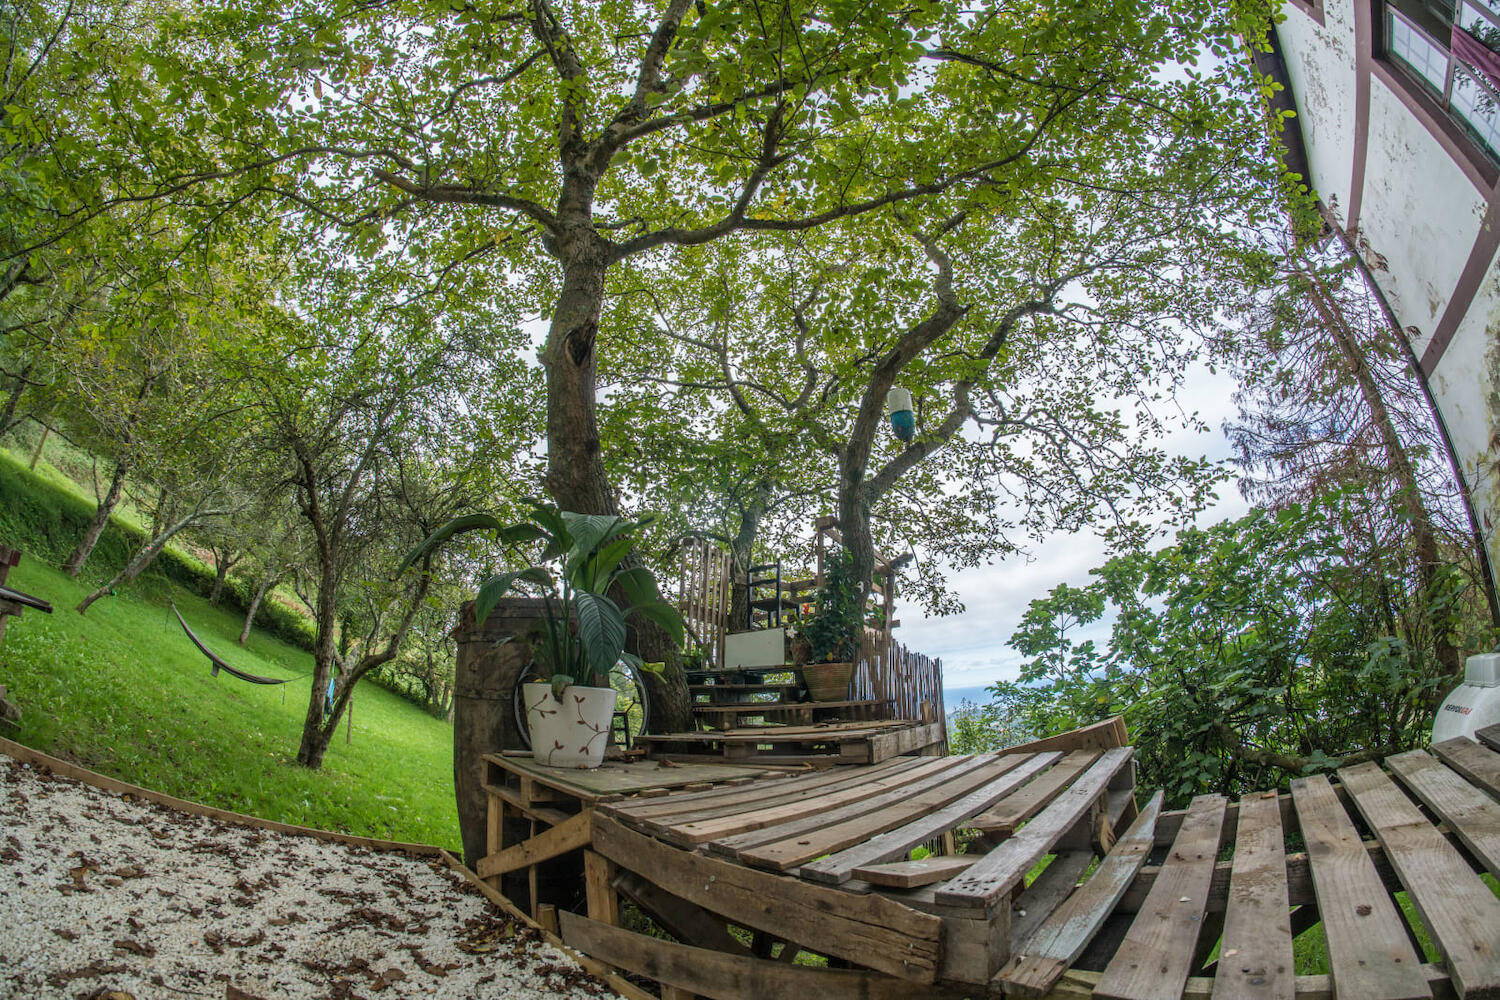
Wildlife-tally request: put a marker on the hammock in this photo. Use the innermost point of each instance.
(220, 664)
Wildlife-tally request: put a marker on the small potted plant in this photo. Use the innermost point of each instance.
(573, 561)
(833, 632)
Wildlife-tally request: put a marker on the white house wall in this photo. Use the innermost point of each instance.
(1421, 202)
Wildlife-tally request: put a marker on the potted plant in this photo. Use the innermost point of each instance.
(833, 631)
(573, 561)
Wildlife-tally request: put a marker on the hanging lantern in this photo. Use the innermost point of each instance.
(903, 420)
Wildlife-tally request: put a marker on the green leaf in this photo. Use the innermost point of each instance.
(663, 614)
(601, 630)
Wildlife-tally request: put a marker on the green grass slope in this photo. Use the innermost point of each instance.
(123, 691)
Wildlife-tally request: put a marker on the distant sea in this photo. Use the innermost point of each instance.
(954, 697)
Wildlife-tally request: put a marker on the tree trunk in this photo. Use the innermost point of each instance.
(90, 538)
(12, 401)
(266, 583)
(742, 554)
(221, 571)
(145, 557)
(315, 737)
(36, 453)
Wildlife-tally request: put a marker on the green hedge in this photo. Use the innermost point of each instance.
(45, 521)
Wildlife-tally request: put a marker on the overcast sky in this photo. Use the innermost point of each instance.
(972, 645)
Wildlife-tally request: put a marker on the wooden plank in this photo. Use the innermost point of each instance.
(1042, 960)
(567, 836)
(835, 833)
(778, 814)
(1473, 816)
(1078, 984)
(1104, 735)
(598, 883)
(892, 744)
(1255, 956)
(1461, 913)
(910, 874)
(868, 929)
(815, 786)
(1479, 764)
(995, 873)
(1369, 954)
(687, 922)
(1489, 736)
(1003, 819)
(1044, 895)
(893, 844)
(616, 777)
(1156, 956)
(724, 977)
(867, 811)
(765, 734)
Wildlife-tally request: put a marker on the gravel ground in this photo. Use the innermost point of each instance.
(107, 897)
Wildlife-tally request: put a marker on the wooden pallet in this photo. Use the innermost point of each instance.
(830, 743)
(732, 715)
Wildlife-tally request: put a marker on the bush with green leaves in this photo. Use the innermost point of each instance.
(574, 562)
(836, 627)
(1244, 654)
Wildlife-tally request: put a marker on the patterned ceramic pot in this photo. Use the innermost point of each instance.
(573, 732)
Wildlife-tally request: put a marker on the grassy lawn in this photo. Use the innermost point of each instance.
(122, 691)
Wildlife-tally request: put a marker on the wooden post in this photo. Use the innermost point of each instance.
(546, 915)
(598, 878)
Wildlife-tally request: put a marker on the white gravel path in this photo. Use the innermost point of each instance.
(107, 897)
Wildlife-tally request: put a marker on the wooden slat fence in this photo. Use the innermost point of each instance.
(703, 594)
(910, 682)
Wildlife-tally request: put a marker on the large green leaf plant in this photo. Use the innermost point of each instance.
(574, 562)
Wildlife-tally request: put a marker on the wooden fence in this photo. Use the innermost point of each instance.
(703, 595)
(910, 682)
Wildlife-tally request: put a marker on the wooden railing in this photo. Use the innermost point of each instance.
(703, 595)
(909, 682)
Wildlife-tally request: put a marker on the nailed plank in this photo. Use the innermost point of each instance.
(1043, 896)
(886, 745)
(1003, 819)
(1369, 954)
(817, 784)
(1104, 735)
(1460, 911)
(995, 873)
(837, 831)
(689, 923)
(614, 777)
(1489, 736)
(1157, 954)
(896, 843)
(777, 814)
(1479, 764)
(865, 928)
(1041, 961)
(718, 975)
(569, 835)
(1255, 958)
(910, 874)
(1077, 984)
(1469, 813)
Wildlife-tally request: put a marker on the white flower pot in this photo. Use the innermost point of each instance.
(573, 732)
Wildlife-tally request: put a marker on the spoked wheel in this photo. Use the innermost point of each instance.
(632, 707)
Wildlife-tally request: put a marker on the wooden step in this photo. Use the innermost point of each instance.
(728, 673)
(758, 707)
(787, 689)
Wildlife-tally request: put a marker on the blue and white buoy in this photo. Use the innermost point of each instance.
(903, 420)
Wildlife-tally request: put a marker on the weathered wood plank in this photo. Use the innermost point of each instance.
(1255, 957)
(720, 976)
(1479, 764)
(1104, 735)
(1369, 954)
(569, 835)
(1042, 960)
(721, 795)
(775, 814)
(910, 874)
(835, 833)
(1460, 911)
(869, 801)
(615, 777)
(1078, 984)
(893, 844)
(998, 871)
(1489, 736)
(1044, 895)
(868, 929)
(1473, 816)
(688, 922)
(1156, 956)
(1001, 821)
(883, 746)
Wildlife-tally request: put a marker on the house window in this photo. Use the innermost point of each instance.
(1451, 49)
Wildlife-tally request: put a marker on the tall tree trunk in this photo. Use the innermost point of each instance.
(12, 401)
(315, 737)
(267, 582)
(144, 558)
(36, 453)
(742, 553)
(85, 547)
(1423, 536)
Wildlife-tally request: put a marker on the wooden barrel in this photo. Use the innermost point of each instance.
(484, 719)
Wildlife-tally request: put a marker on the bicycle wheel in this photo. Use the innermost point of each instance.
(632, 705)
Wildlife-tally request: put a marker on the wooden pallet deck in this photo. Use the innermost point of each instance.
(1133, 902)
(816, 744)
